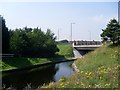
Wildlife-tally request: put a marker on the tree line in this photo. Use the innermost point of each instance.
(33, 42)
(30, 42)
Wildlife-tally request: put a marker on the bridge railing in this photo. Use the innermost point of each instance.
(87, 43)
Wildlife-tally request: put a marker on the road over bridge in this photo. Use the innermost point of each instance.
(80, 48)
(86, 45)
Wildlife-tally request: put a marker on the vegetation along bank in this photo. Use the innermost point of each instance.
(97, 69)
(22, 62)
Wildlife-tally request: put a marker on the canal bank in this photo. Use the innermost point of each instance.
(55, 61)
(21, 62)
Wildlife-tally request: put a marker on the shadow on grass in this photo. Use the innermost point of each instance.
(113, 45)
(56, 58)
(17, 62)
(24, 61)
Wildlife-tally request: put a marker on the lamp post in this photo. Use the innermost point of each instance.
(58, 34)
(71, 30)
(119, 12)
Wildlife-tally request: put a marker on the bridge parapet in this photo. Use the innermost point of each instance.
(87, 42)
(86, 45)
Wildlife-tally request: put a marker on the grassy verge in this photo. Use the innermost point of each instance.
(98, 69)
(14, 63)
(65, 50)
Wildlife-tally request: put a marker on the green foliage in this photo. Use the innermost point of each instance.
(112, 32)
(22, 62)
(19, 41)
(32, 42)
(5, 37)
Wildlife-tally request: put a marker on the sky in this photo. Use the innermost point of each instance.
(89, 17)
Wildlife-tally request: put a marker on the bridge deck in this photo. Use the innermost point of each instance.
(84, 45)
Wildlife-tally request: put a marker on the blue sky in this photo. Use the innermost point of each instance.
(89, 17)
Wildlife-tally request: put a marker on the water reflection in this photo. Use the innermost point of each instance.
(38, 76)
(64, 69)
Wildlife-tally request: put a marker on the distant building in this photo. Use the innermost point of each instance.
(119, 11)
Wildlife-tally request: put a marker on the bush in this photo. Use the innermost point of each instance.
(32, 42)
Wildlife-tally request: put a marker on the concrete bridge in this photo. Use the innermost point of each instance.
(80, 48)
(86, 45)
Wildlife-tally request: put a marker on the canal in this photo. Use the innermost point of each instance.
(37, 76)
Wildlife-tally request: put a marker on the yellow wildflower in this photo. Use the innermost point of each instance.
(81, 72)
(99, 68)
(109, 68)
(108, 84)
(86, 73)
(90, 73)
(100, 78)
(77, 82)
(62, 84)
(118, 66)
(50, 84)
(105, 72)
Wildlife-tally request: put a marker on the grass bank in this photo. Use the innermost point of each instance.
(21, 62)
(97, 69)
(65, 50)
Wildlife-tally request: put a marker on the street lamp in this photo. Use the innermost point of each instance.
(58, 34)
(119, 12)
(71, 29)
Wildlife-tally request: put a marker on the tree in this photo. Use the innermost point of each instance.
(19, 42)
(50, 43)
(32, 42)
(5, 37)
(112, 32)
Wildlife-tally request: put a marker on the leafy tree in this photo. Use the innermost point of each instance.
(18, 42)
(37, 40)
(33, 42)
(5, 37)
(50, 42)
(112, 32)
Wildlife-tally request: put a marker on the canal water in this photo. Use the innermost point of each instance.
(38, 76)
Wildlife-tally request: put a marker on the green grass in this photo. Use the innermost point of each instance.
(13, 63)
(65, 50)
(97, 69)
(21, 62)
